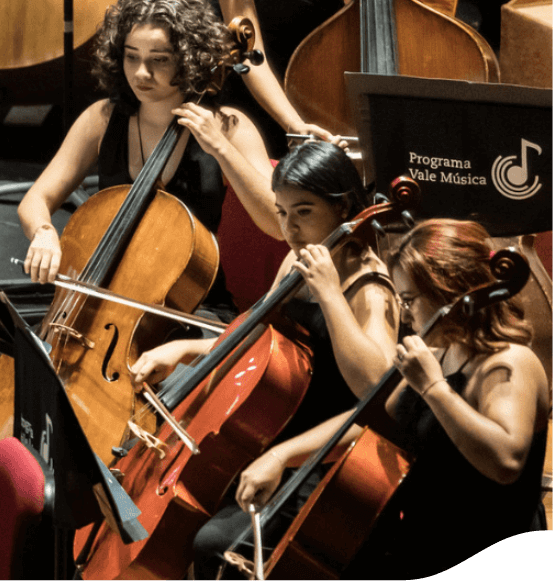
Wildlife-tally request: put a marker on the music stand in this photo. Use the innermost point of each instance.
(479, 151)
(44, 421)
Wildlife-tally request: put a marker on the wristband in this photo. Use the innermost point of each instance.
(426, 389)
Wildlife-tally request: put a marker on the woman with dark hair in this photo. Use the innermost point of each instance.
(347, 300)
(155, 59)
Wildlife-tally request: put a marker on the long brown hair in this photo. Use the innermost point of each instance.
(448, 258)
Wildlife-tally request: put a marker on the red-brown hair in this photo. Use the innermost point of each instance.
(448, 258)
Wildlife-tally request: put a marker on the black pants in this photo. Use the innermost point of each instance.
(220, 532)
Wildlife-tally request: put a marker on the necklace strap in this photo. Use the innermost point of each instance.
(140, 136)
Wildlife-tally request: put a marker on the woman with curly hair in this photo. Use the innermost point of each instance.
(154, 58)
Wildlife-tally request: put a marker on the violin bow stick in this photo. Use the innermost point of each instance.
(94, 291)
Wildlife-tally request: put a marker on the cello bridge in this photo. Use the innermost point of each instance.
(59, 328)
(149, 439)
(240, 562)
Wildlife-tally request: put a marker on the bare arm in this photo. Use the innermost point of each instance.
(261, 80)
(367, 320)
(505, 403)
(156, 364)
(259, 481)
(68, 168)
(242, 156)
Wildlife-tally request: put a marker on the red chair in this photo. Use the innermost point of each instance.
(249, 257)
(22, 503)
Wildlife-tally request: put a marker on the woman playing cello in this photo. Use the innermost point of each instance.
(154, 57)
(472, 407)
(348, 300)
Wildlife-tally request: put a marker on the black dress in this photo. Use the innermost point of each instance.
(445, 511)
(197, 182)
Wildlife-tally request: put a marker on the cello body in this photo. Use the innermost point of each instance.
(176, 268)
(93, 341)
(430, 44)
(232, 416)
(345, 500)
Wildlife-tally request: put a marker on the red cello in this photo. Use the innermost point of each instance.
(346, 505)
(235, 401)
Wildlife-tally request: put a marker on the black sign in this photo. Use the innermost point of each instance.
(479, 151)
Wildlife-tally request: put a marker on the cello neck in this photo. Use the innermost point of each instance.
(123, 225)
(378, 37)
(174, 393)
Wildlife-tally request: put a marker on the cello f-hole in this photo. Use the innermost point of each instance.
(109, 353)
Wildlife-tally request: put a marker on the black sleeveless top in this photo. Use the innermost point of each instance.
(446, 511)
(328, 394)
(198, 183)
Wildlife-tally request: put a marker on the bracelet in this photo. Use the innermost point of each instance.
(425, 391)
(45, 226)
(278, 458)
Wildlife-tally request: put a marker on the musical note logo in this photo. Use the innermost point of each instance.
(511, 179)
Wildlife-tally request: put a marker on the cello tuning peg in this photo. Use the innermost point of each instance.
(408, 218)
(256, 57)
(241, 69)
(377, 227)
(380, 199)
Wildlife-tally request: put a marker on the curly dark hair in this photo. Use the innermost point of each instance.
(447, 259)
(198, 39)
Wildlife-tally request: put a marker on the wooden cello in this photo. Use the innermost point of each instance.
(404, 37)
(346, 505)
(232, 415)
(92, 341)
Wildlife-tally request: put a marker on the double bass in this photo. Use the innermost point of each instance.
(32, 48)
(396, 37)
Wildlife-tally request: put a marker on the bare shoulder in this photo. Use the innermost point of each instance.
(99, 114)
(89, 128)
(516, 365)
(236, 123)
(519, 358)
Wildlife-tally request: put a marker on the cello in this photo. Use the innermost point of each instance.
(93, 342)
(348, 503)
(232, 415)
(404, 37)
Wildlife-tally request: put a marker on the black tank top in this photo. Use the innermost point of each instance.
(328, 394)
(197, 182)
(446, 511)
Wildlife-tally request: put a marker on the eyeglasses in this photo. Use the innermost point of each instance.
(407, 303)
